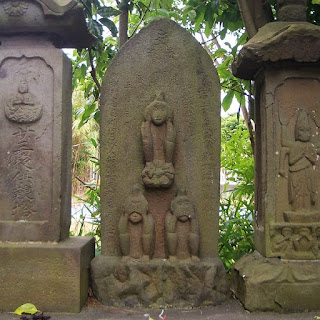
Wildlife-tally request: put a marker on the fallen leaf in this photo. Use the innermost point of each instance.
(28, 308)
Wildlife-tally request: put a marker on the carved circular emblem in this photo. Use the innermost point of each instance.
(15, 8)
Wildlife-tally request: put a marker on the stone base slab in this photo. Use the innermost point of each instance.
(278, 285)
(52, 276)
(158, 283)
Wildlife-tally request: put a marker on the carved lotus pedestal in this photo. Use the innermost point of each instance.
(282, 276)
(159, 283)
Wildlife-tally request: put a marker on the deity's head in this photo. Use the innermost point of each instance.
(303, 127)
(181, 206)
(287, 232)
(158, 111)
(304, 231)
(23, 86)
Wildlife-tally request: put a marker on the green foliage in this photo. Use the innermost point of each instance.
(236, 205)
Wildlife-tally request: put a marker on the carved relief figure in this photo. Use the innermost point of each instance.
(283, 241)
(182, 230)
(304, 241)
(302, 156)
(15, 8)
(158, 139)
(23, 107)
(136, 227)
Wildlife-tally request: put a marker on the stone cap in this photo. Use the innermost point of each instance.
(63, 21)
(278, 41)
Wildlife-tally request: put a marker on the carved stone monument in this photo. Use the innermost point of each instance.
(160, 148)
(283, 59)
(39, 263)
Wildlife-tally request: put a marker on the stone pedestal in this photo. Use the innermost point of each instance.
(160, 162)
(277, 285)
(39, 263)
(283, 59)
(53, 276)
(158, 283)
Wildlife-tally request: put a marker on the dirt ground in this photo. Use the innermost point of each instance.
(231, 310)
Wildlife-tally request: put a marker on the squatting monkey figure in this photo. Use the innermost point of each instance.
(136, 227)
(182, 230)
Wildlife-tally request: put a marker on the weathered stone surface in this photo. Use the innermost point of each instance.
(292, 10)
(287, 166)
(160, 161)
(161, 58)
(159, 283)
(272, 284)
(283, 60)
(35, 122)
(278, 41)
(62, 22)
(53, 276)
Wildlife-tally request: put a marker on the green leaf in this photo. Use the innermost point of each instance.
(110, 25)
(106, 12)
(198, 21)
(215, 5)
(95, 28)
(315, 1)
(227, 100)
(27, 308)
(163, 12)
(192, 14)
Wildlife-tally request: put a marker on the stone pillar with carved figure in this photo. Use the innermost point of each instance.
(39, 263)
(284, 61)
(160, 162)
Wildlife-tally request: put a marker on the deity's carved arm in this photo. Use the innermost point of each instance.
(147, 141)
(295, 154)
(283, 153)
(171, 237)
(194, 239)
(170, 142)
(124, 235)
(311, 153)
(148, 234)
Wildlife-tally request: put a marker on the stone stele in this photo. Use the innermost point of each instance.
(160, 161)
(283, 59)
(38, 259)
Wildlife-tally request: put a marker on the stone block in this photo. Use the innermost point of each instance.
(61, 22)
(159, 283)
(53, 276)
(277, 285)
(35, 122)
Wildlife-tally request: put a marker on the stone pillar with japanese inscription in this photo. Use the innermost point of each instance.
(284, 61)
(160, 163)
(39, 263)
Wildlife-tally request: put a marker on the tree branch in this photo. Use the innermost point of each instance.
(123, 23)
(246, 118)
(93, 71)
(246, 11)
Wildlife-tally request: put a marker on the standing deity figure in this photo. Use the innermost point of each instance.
(158, 140)
(302, 156)
(182, 229)
(23, 107)
(136, 227)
